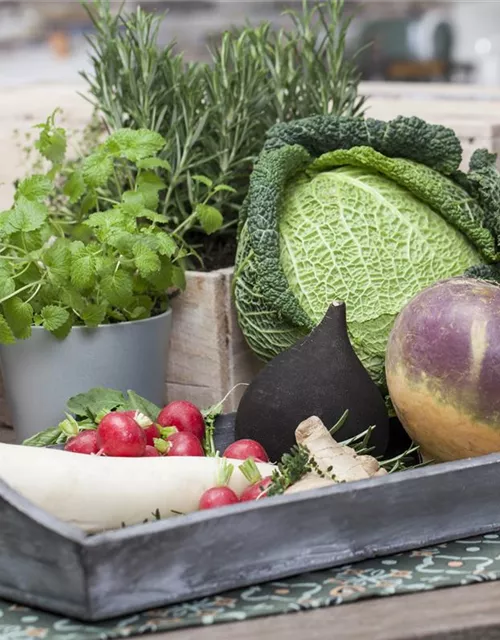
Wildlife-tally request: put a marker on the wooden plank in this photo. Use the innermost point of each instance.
(461, 613)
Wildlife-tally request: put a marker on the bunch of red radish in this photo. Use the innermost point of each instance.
(179, 430)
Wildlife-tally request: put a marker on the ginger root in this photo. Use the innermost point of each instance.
(335, 461)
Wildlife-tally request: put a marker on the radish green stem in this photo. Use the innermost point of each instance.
(250, 471)
(224, 473)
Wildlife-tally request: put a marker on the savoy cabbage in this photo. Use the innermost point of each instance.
(363, 211)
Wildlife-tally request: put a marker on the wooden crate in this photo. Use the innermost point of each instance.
(208, 355)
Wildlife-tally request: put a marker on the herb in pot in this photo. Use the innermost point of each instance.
(110, 259)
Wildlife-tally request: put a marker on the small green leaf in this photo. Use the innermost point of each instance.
(154, 163)
(52, 142)
(88, 203)
(98, 399)
(6, 333)
(35, 188)
(57, 258)
(139, 313)
(144, 406)
(117, 288)
(5, 228)
(210, 218)
(166, 244)
(224, 187)
(161, 279)
(44, 438)
(178, 278)
(146, 260)
(132, 203)
(203, 180)
(136, 144)
(93, 314)
(97, 169)
(152, 216)
(27, 215)
(7, 286)
(64, 330)
(19, 315)
(149, 185)
(75, 187)
(53, 317)
(83, 269)
(106, 219)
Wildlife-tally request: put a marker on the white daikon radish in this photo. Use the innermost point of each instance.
(97, 493)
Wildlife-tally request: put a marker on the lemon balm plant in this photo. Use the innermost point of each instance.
(73, 275)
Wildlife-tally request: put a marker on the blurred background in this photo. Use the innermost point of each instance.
(449, 41)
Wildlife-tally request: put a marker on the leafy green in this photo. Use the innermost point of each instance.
(362, 211)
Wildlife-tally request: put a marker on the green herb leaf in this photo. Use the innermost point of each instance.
(154, 163)
(117, 288)
(57, 258)
(63, 331)
(224, 187)
(149, 185)
(52, 141)
(210, 218)
(166, 244)
(93, 314)
(19, 315)
(44, 438)
(146, 260)
(53, 317)
(83, 269)
(95, 400)
(7, 285)
(6, 333)
(75, 187)
(178, 277)
(27, 215)
(203, 180)
(136, 144)
(146, 407)
(97, 169)
(35, 188)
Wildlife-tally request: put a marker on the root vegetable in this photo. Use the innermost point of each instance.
(217, 497)
(119, 435)
(257, 489)
(183, 415)
(151, 452)
(245, 448)
(88, 491)
(184, 444)
(332, 460)
(151, 429)
(85, 442)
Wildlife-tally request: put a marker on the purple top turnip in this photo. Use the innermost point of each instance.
(443, 369)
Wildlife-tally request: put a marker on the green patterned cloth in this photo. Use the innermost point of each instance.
(445, 565)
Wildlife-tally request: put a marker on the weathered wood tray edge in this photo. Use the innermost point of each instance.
(48, 564)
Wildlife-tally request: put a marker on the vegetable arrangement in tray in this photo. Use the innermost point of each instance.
(141, 462)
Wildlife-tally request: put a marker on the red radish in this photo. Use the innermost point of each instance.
(151, 452)
(184, 444)
(243, 449)
(84, 442)
(256, 491)
(217, 497)
(119, 435)
(150, 428)
(183, 415)
(221, 494)
(258, 484)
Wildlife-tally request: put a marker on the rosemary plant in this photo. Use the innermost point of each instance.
(214, 116)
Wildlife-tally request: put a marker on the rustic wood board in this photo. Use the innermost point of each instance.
(51, 565)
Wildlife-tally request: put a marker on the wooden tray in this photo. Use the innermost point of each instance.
(48, 564)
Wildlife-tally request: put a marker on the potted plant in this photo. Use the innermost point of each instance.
(85, 276)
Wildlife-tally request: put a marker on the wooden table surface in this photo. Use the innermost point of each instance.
(462, 613)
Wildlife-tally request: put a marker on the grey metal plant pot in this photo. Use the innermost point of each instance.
(41, 373)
